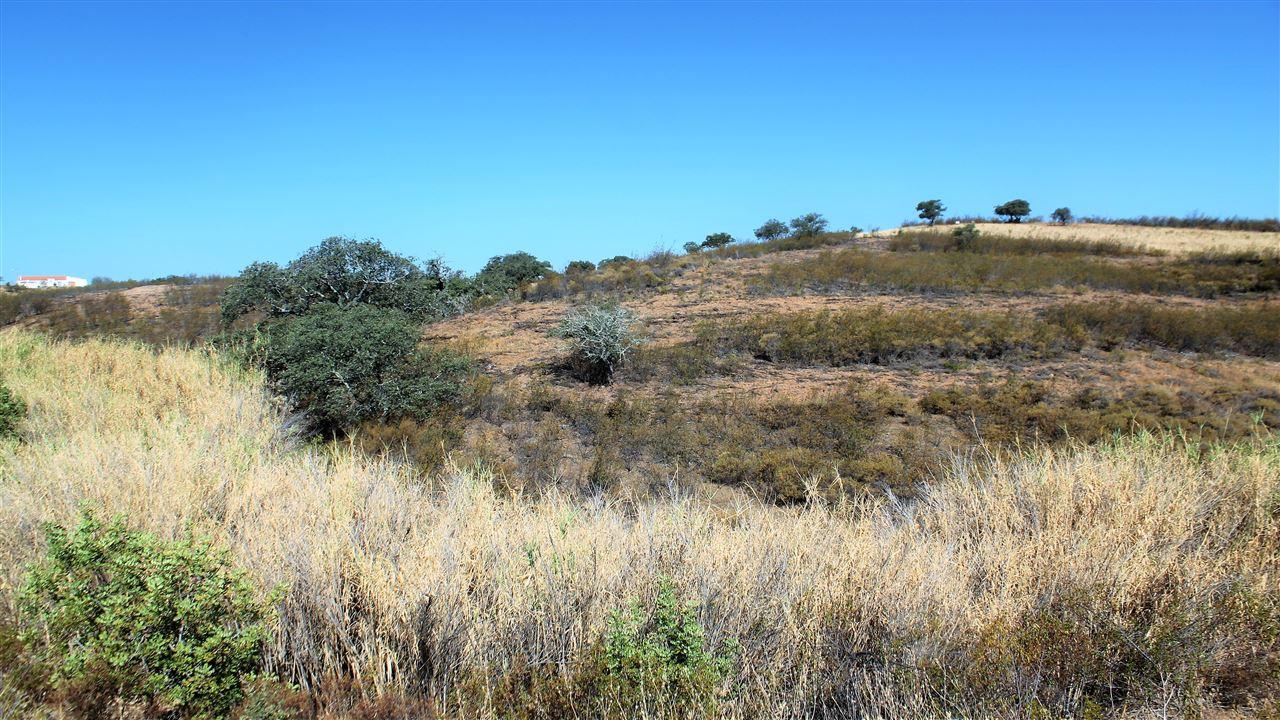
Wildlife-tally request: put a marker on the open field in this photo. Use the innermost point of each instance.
(1173, 240)
(1136, 578)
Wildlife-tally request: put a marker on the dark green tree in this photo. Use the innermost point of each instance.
(345, 272)
(717, 240)
(1062, 215)
(579, 266)
(1014, 210)
(771, 230)
(513, 270)
(808, 225)
(931, 210)
(345, 365)
(692, 247)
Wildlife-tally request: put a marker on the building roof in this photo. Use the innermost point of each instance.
(43, 277)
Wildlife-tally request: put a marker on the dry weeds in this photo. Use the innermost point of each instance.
(863, 610)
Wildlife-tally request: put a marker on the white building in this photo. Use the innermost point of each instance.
(50, 281)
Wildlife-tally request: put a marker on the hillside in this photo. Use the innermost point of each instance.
(839, 362)
(1152, 568)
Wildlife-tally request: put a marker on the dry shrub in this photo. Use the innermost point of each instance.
(1250, 329)
(962, 271)
(881, 335)
(1111, 579)
(944, 241)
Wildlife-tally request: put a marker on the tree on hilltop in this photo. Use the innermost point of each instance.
(931, 210)
(808, 225)
(1014, 210)
(771, 230)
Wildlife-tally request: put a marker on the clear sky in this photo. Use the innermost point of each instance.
(145, 139)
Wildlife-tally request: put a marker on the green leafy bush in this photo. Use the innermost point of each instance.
(345, 272)
(347, 365)
(118, 615)
(965, 236)
(600, 338)
(663, 652)
(12, 411)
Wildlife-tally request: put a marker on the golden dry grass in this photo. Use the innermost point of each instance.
(425, 587)
(1172, 240)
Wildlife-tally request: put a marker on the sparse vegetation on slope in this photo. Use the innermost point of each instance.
(969, 272)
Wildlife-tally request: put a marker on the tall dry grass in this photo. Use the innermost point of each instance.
(1135, 577)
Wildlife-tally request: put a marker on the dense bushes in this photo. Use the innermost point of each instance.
(879, 335)
(339, 333)
(115, 615)
(344, 272)
(345, 366)
(12, 411)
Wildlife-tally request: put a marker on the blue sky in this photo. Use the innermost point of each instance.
(138, 140)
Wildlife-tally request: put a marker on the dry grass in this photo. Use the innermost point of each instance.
(1136, 578)
(1172, 240)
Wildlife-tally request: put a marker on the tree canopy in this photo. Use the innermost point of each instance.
(808, 225)
(931, 210)
(345, 272)
(1014, 210)
(771, 229)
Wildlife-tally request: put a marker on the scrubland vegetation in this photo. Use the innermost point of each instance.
(1123, 578)
(945, 473)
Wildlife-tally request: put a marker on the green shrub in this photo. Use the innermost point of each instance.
(662, 652)
(118, 615)
(346, 366)
(965, 237)
(12, 412)
(600, 338)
